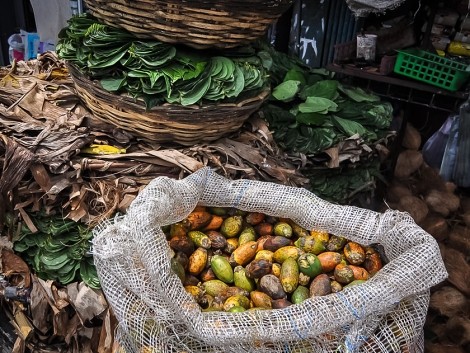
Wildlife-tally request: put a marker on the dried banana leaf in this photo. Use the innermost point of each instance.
(15, 165)
(41, 114)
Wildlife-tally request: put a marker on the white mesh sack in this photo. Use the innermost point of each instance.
(155, 314)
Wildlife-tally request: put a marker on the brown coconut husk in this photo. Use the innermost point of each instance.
(408, 162)
(437, 226)
(443, 203)
(442, 348)
(411, 138)
(416, 207)
(449, 302)
(397, 190)
(466, 218)
(427, 178)
(459, 269)
(459, 239)
(458, 331)
(465, 204)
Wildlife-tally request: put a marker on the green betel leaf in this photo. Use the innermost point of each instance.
(311, 118)
(321, 71)
(350, 128)
(148, 88)
(174, 71)
(350, 109)
(155, 61)
(314, 78)
(197, 92)
(266, 59)
(154, 76)
(94, 63)
(379, 115)
(286, 91)
(357, 94)
(254, 78)
(317, 140)
(139, 73)
(196, 71)
(294, 110)
(150, 101)
(113, 84)
(238, 83)
(291, 137)
(153, 68)
(317, 105)
(277, 116)
(295, 75)
(324, 89)
(222, 68)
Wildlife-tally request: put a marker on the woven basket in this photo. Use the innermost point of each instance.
(199, 24)
(185, 125)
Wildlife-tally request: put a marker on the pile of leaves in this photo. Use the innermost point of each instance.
(346, 184)
(58, 249)
(339, 133)
(309, 111)
(159, 72)
(309, 115)
(45, 316)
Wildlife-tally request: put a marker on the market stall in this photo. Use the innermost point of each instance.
(129, 156)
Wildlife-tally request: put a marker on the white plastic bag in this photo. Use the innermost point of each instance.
(16, 47)
(434, 147)
(449, 156)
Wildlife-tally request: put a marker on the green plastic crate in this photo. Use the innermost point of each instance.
(430, 68)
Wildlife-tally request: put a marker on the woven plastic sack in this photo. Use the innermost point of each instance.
(385, 314)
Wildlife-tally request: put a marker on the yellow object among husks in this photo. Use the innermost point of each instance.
(102, 149)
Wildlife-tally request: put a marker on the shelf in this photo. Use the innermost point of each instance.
(402, 89)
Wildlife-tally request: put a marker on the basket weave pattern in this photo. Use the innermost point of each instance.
(185, 125)
(199, 24)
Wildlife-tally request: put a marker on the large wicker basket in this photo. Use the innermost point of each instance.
(185, 125)
(200, 24)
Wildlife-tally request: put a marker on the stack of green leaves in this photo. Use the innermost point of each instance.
(159, 72)
(345, 185)
(309, 111)
(58, 251)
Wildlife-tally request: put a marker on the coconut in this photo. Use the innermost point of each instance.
(408, 162)
(416, 207)
(441, 202)
(449, 302)
(411, 138)
(397, 190)
(437, 226)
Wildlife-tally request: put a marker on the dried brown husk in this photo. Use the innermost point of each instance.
(411, 138)
(44, 127)
(40, 111)
(408, 162)
(397, 190)
(416, 207)
(443, 203)
(449, 302)
(437, 226)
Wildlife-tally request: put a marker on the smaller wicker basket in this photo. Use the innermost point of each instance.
(199, 24)
(185, 125)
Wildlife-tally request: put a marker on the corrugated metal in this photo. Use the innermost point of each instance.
(317, 26)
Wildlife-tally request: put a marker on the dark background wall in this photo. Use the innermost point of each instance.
(15, 15)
